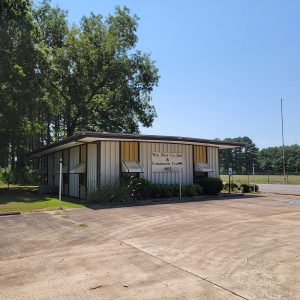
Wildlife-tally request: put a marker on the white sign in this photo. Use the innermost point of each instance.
(166, 162)
(230, 171)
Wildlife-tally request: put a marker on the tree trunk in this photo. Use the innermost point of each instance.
(70, 130)
(48, 141)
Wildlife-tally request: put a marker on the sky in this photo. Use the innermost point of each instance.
(224, 65)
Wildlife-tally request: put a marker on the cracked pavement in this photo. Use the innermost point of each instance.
(241, 248)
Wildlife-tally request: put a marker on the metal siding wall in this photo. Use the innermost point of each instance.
(83, 153)
(146, 150)
(74, 178)
(57, 157)
(92, 168)
(110, 162)
(50, 169)
(213, 161)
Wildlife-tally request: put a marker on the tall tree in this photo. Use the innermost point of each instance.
(57, 79)
(270, 159)
(240, 159)
(103, 82)
(18, 81)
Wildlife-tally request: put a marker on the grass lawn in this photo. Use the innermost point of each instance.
(26, 199)
(292, 179)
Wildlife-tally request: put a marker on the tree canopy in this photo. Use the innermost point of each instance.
(266, 160)
(240, 159)
(58, 79)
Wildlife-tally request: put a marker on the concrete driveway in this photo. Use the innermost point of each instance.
(288, 189)
(243, 248)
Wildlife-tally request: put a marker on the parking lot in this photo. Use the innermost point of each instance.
(241, 248)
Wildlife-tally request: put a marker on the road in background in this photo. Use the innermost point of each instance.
(289, 189)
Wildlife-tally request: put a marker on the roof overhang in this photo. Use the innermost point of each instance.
(93, 137)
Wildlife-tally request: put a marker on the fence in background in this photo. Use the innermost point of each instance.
(263, 178)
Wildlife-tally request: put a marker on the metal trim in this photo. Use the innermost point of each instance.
(135, 137)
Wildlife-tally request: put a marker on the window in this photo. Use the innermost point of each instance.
(201, 168)
(200, 154)
(82, 185)
(65, 178)
(199, 175)
(129, 151)
(130, 166)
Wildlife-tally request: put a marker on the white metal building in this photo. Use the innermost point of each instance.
(93, 159)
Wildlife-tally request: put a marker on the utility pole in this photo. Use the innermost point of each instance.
(253, 174)
(283, 150)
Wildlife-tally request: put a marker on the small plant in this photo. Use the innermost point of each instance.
(156, 191)
(245, 187)
(7, 176)
(192, 190)
(164, 190)
(233, 186)
(82, 225)
(139, 188)
(248, 188)
(110, 194)
(211, 186)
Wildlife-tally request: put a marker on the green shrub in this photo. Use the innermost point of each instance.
(164, 190)
(170, 190)
(110, 194)
(7, 176)
(245, 187)
(233, 186)
(192, 190)
(211, 186)
(155, 190)
(248, 188)
(139, 188)
(159, 191)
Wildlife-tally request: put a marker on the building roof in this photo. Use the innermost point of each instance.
(90, 137)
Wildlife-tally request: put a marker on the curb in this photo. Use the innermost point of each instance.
(283, 194)
(10, 213)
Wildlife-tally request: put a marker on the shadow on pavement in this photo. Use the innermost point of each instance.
(223, 197)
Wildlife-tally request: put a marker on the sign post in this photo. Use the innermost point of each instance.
(180, 179)
(60, 181)
(229, 175)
